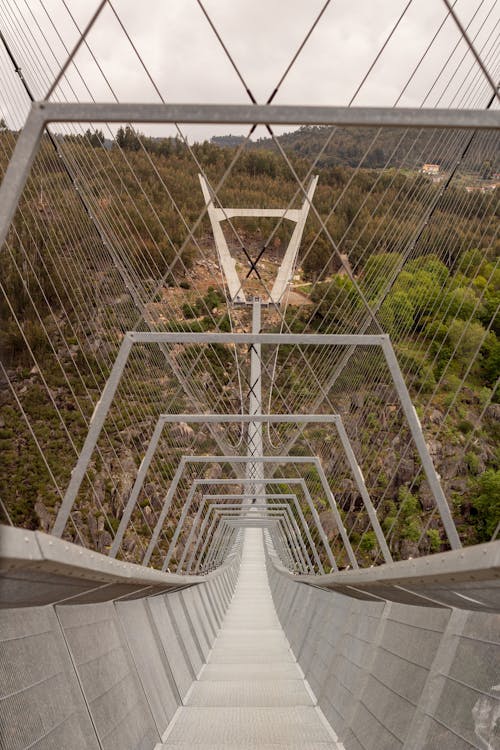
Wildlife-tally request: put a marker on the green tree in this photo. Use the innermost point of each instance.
(464, 340)
(397, 312)
(410, 526)
(490, 360)
(486, 170)
(422, 290)
(378, 270)
(127, 139)
(319, 259)
(486, 502)
(368, 541)
(95, 138)
(461, 303)
(338, 304)
(434, 538)
(472, 262)
(431, 264)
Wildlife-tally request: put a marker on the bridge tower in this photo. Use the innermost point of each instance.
(237, 296)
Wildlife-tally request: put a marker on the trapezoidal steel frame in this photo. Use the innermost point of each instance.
(335, 419)
(264, 460)
(210, 499)
(292, 481)
(281, 511)
(218, 496)
(383, 341)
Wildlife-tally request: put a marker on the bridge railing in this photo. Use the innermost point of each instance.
(103, 673)
(395, 675)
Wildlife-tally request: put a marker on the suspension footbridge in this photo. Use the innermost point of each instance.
(251, 486)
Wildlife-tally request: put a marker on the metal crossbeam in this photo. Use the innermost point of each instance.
(164, 419)
(43, 113)
(306, 560)
(381, 340)
(293, 481)
(210, 498)
(335, 419)
(255, 114)
(256, 459)
(281, 511)
(283, 544)
(214, 530)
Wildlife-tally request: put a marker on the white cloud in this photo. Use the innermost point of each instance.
(188, 63)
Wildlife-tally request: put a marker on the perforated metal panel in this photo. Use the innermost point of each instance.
(185, 631)
(109, 681)
(104, 676)
(392, 675)
(149, 660)
(40, 701)
(467, 709)
(192, 612)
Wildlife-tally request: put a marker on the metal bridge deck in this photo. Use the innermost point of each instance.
(251, 693)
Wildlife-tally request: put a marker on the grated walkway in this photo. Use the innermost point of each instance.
(251, 693)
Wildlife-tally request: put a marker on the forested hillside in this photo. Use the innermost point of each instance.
(350, 147)
(440, 308)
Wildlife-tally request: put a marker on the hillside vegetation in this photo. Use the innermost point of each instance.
(445, 303)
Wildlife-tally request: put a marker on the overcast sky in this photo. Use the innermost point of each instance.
(188, 64)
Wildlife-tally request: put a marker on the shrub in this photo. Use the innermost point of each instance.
(486, 503)
(472, 462)
(434, 538)
(409, 515)
(431, 264)
(338, 304)
(377, 270)
(368, 541)
(397, 312)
